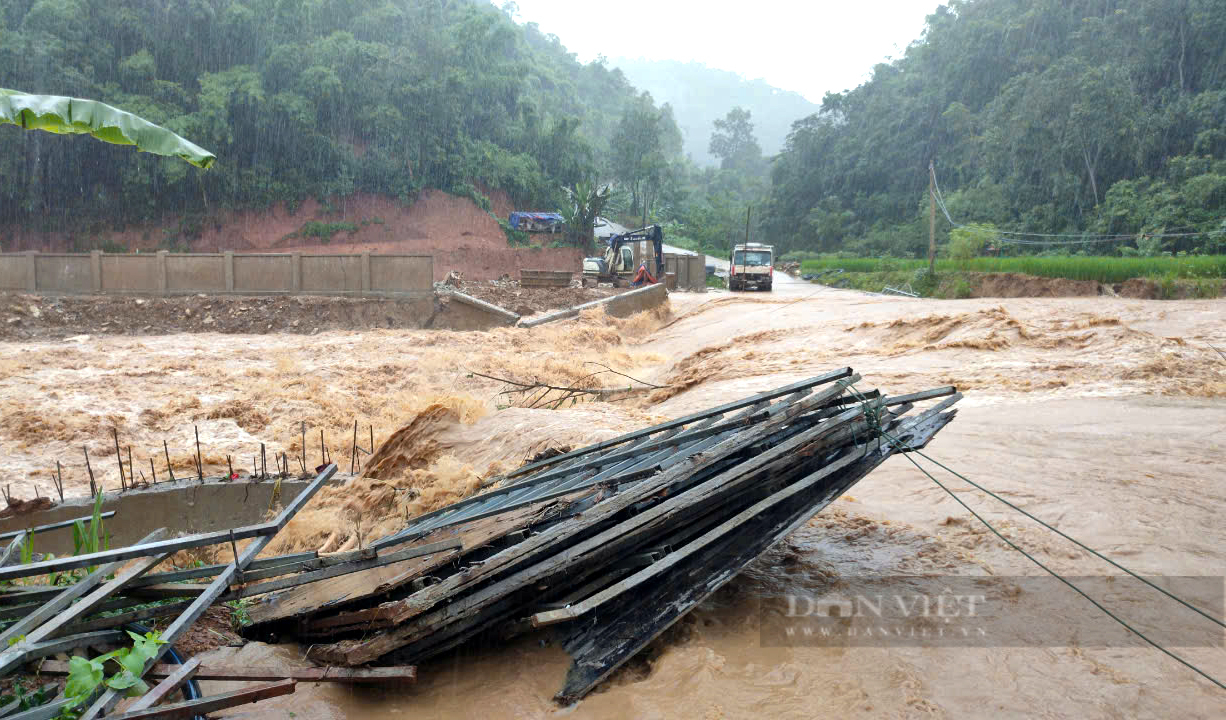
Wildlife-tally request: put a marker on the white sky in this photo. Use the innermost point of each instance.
(809, 47)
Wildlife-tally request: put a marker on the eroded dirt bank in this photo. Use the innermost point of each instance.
(1098, 414)
(39, 317)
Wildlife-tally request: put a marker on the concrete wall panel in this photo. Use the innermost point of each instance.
(263, 273)
(12, 272)
(130, 273)
(332, 273)
(401, 273)
(195, 273)
(63, 273)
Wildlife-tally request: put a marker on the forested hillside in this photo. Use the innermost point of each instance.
(302, 98)
(1047, 116)
(700, 95)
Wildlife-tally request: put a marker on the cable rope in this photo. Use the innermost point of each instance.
(906, 452)
(1078, 238)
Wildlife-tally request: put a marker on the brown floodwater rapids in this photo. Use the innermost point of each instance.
(1103, 416)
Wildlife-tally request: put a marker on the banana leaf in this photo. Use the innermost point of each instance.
(66, 115)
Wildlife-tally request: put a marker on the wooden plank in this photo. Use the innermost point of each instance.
(238, 673)
(53, 526)
(24, 649)
(9, 707)
(66, 596)
(135, 551)
(369, 583)
(121, 619)
(474, 534)
(172, 680)
(18, 595)
(684, 420)
(180, 625)
(598, 649)
(410, 553)
(395, 613)
(574, 610)
(192, 708)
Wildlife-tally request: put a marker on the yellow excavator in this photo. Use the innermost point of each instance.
(617, 266)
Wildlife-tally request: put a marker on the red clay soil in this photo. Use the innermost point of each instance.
(458, 234)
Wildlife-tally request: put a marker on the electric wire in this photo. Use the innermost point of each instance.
(906, 452)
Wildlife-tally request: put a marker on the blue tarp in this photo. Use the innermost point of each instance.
(520, 219)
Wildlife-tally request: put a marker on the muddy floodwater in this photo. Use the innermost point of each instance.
(1103, 416)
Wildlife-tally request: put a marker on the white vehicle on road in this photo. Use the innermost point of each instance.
(751, 264)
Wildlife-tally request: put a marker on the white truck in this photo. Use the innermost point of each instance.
(751, 264)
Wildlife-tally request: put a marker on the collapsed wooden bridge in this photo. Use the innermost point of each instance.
(607, 545)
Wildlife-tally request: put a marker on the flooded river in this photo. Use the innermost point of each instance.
(1102, 416)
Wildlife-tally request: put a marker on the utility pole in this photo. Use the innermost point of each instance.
(748, 210)
(932, 220)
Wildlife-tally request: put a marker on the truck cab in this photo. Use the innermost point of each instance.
(751, 264)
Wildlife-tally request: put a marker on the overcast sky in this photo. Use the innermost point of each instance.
(811, 46)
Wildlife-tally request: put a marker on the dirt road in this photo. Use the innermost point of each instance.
(1100, 415)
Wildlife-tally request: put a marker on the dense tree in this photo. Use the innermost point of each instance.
(700, 95)
(734, 143)
(305, 98)
(645, 148)
(1056, 116)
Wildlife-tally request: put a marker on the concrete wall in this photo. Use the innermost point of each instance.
(691, 270)
(13, 272)
(189, 273)
(483, 263)
(457, 311)
(333, 273)
(126, 274)
(397, 273)
(162, 273)
(67, 271)
(182, 507)
(623, 305)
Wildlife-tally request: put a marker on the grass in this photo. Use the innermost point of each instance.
(324, 231)
(1101, 269)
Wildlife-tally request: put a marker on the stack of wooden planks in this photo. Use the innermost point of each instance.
(610, 544)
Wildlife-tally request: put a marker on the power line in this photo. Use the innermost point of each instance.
(1079, 238)
(906, 452)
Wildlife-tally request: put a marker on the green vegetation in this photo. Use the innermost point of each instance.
(76, 116)
(239, 615)
(85, 674)
(324, 99)
(1047, 117)
(26, 699)
(324, 232)
(1108, 270)
(1065, 117)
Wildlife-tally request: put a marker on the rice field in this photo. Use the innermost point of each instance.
(1099, 268)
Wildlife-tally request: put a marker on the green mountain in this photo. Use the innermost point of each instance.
(1041, 116)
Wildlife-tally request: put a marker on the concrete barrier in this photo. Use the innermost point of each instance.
(457, 311)
(623, 305)
(183, 507)
(162, 273)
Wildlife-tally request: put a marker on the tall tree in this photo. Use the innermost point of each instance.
(734, 143)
